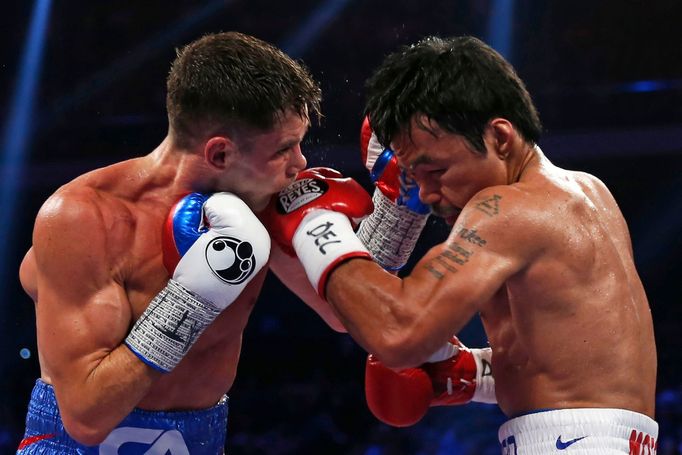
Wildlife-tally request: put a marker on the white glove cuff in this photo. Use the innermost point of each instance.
(448, 351)
(485, 382)
(324, 239)
(391, 232)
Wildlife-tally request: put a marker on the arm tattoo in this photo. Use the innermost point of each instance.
(490, 206)
(438, 275)
(471, 236)
(448, 260)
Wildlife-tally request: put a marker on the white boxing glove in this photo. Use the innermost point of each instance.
(213, 245)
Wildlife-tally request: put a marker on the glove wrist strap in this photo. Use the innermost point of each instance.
(485, 383)
(391, 232)
(169, 326)
(322, 241)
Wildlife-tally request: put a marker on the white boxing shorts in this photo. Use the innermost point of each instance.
(579, 432)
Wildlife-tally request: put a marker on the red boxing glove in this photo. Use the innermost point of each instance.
(397, 398)
(313, 218)
(463, 377)
(457, 376)
(384, 174)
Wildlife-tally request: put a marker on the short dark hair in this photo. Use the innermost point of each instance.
(459, 82)
(231, 81)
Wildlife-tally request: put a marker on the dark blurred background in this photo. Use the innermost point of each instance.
(83, 85)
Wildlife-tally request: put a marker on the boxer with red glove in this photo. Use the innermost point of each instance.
(392, 230)
(314, 218)
(391, 233)
(453, 375)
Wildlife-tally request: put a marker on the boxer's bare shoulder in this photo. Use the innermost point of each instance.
(583, 270)
(98, 218)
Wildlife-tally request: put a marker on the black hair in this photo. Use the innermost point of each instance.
(461, 83)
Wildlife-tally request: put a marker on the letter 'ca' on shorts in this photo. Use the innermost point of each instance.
(200, 432)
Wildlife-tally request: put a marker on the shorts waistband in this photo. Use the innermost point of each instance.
(606, 429)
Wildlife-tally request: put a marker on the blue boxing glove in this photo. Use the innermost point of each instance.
(391, 232)
(213, 245)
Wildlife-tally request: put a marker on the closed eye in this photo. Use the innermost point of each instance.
(425, 170)
(282, 152)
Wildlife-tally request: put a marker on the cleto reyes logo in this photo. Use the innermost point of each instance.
(300, 193)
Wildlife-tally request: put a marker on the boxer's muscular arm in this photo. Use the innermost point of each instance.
(404, 321)
(83, 315)
(290, 272)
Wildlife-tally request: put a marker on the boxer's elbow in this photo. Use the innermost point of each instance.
(336, 325)
(85, 431)
(398, 351)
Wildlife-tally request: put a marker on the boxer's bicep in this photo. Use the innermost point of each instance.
(487, 246)
(82, 312)
(452, 283)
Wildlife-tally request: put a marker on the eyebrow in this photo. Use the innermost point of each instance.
(288, 144)
(291, 142)
(420, 160)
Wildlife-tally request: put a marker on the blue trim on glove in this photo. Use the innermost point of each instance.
(187, 221)
(380, 164)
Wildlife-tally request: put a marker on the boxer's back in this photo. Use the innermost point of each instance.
(573, 325)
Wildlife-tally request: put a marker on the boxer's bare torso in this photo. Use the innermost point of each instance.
(96, 263)
(567, 317)
(122, 209)
(542, 253)
(570, 329)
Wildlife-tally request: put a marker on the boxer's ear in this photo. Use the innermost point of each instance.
(219, 152)
(499, 135)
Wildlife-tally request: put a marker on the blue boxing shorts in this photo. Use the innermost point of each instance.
(201, 432)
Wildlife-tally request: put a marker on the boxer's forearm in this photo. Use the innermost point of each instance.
(380, 316)
(290, 272)
(94, 403)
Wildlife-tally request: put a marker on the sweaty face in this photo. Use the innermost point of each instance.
(269, 161)
(446, 167)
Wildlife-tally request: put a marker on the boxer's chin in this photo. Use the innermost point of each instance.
(449, 214)
(450, 220)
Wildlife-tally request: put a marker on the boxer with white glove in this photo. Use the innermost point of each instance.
(314, 218)
(453, 375)
(392, 230)
(213, 245)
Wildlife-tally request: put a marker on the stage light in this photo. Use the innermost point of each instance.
(299, 42)
(500, 27)
(19, 128)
